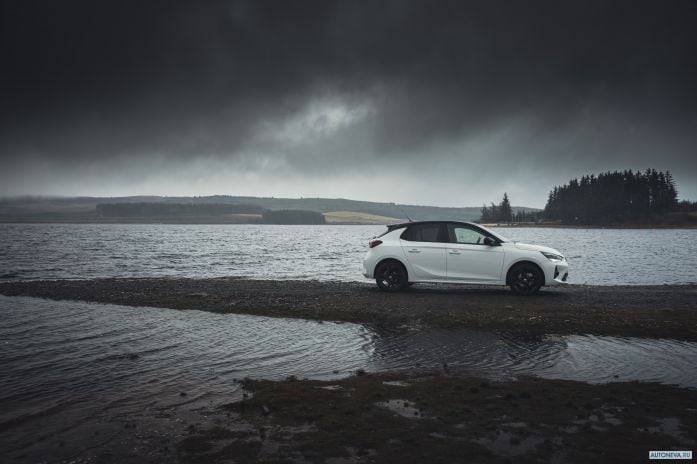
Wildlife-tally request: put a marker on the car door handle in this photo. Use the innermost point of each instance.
(454, 252)
(414, 250)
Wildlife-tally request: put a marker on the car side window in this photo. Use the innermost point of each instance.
(465, 235)
(423, 233)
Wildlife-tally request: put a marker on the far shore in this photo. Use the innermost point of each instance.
(5, 219)
(594, 226)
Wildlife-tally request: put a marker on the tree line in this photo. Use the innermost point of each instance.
(188, 210)
(145, 209)
(618, 196)
(497, 213)
(504, 213)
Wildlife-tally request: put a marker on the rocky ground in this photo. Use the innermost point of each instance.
(443, 419)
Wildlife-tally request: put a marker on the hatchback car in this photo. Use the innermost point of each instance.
(459, 252)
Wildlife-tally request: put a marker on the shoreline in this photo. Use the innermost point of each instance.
(412, 415)
(660, 311)
(161, 221)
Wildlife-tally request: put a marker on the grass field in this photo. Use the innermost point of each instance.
(353, 217)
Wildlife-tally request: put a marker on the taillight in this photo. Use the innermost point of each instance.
(374, 243)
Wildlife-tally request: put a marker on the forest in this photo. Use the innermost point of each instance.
(613, 197)
(504, 213)
(618, 197)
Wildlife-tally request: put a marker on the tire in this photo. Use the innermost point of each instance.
(525, 279)
(391, 276)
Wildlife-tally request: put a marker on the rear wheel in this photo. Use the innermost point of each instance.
(525, 279)
(391, 276)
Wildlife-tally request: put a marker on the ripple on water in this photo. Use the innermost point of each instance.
(49, 251)
(79, 367)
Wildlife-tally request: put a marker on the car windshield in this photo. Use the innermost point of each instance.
(498, 236)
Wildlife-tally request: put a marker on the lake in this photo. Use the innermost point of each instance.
(84, 251)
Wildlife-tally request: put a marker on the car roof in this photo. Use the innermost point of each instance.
(399, 225)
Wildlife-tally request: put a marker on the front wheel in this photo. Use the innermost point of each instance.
(391, 276)
(525, 279)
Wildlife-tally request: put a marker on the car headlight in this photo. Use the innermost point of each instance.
(553, 257)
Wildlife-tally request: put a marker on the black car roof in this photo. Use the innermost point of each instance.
(399, 225)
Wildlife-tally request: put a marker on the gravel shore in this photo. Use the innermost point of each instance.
(668, 311)
(409, 416)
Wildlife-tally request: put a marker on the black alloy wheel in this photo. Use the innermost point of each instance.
(525, 279)
(391, 276)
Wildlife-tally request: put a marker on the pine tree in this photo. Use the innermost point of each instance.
(505, 211)
(486, 215)
(493, 213)
(612, 197)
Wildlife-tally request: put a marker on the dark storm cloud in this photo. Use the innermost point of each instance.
(611, 81)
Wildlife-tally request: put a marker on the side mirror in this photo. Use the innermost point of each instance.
(489, 241)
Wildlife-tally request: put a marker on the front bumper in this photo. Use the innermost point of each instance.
(559, 273)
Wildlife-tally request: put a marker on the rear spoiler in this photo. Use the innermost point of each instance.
(391, 227)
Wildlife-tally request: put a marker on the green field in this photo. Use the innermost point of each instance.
(354, 217)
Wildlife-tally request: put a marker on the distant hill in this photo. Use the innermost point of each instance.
(159, 209)
(83, 209)
(293, 216)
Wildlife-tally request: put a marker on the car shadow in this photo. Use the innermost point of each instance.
(478, 290)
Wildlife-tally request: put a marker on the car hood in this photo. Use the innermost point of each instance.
(528, 247)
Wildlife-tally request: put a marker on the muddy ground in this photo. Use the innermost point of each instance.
(668, 311)
(407, 417)
(442, 419)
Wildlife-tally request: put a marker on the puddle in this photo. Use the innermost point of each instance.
(586, 358)
(403, 408)
(509, 444)
(672, 427)
(71, 369)
(396, 383)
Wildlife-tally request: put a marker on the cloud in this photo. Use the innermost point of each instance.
(487, 95)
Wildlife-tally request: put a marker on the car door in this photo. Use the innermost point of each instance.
(469, 258)
(424, 246)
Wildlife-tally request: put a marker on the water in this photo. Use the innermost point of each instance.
(71, 369)
(74, 370)
(83, 251)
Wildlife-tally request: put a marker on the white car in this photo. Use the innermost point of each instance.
(459, 252)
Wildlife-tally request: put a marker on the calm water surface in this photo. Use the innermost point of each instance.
(81, 251)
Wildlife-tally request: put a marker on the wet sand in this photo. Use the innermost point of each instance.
(661, 311)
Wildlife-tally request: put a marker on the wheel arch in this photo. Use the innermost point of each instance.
(525, 261)
(390, 258)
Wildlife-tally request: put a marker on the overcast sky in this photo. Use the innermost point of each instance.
(430, 102)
